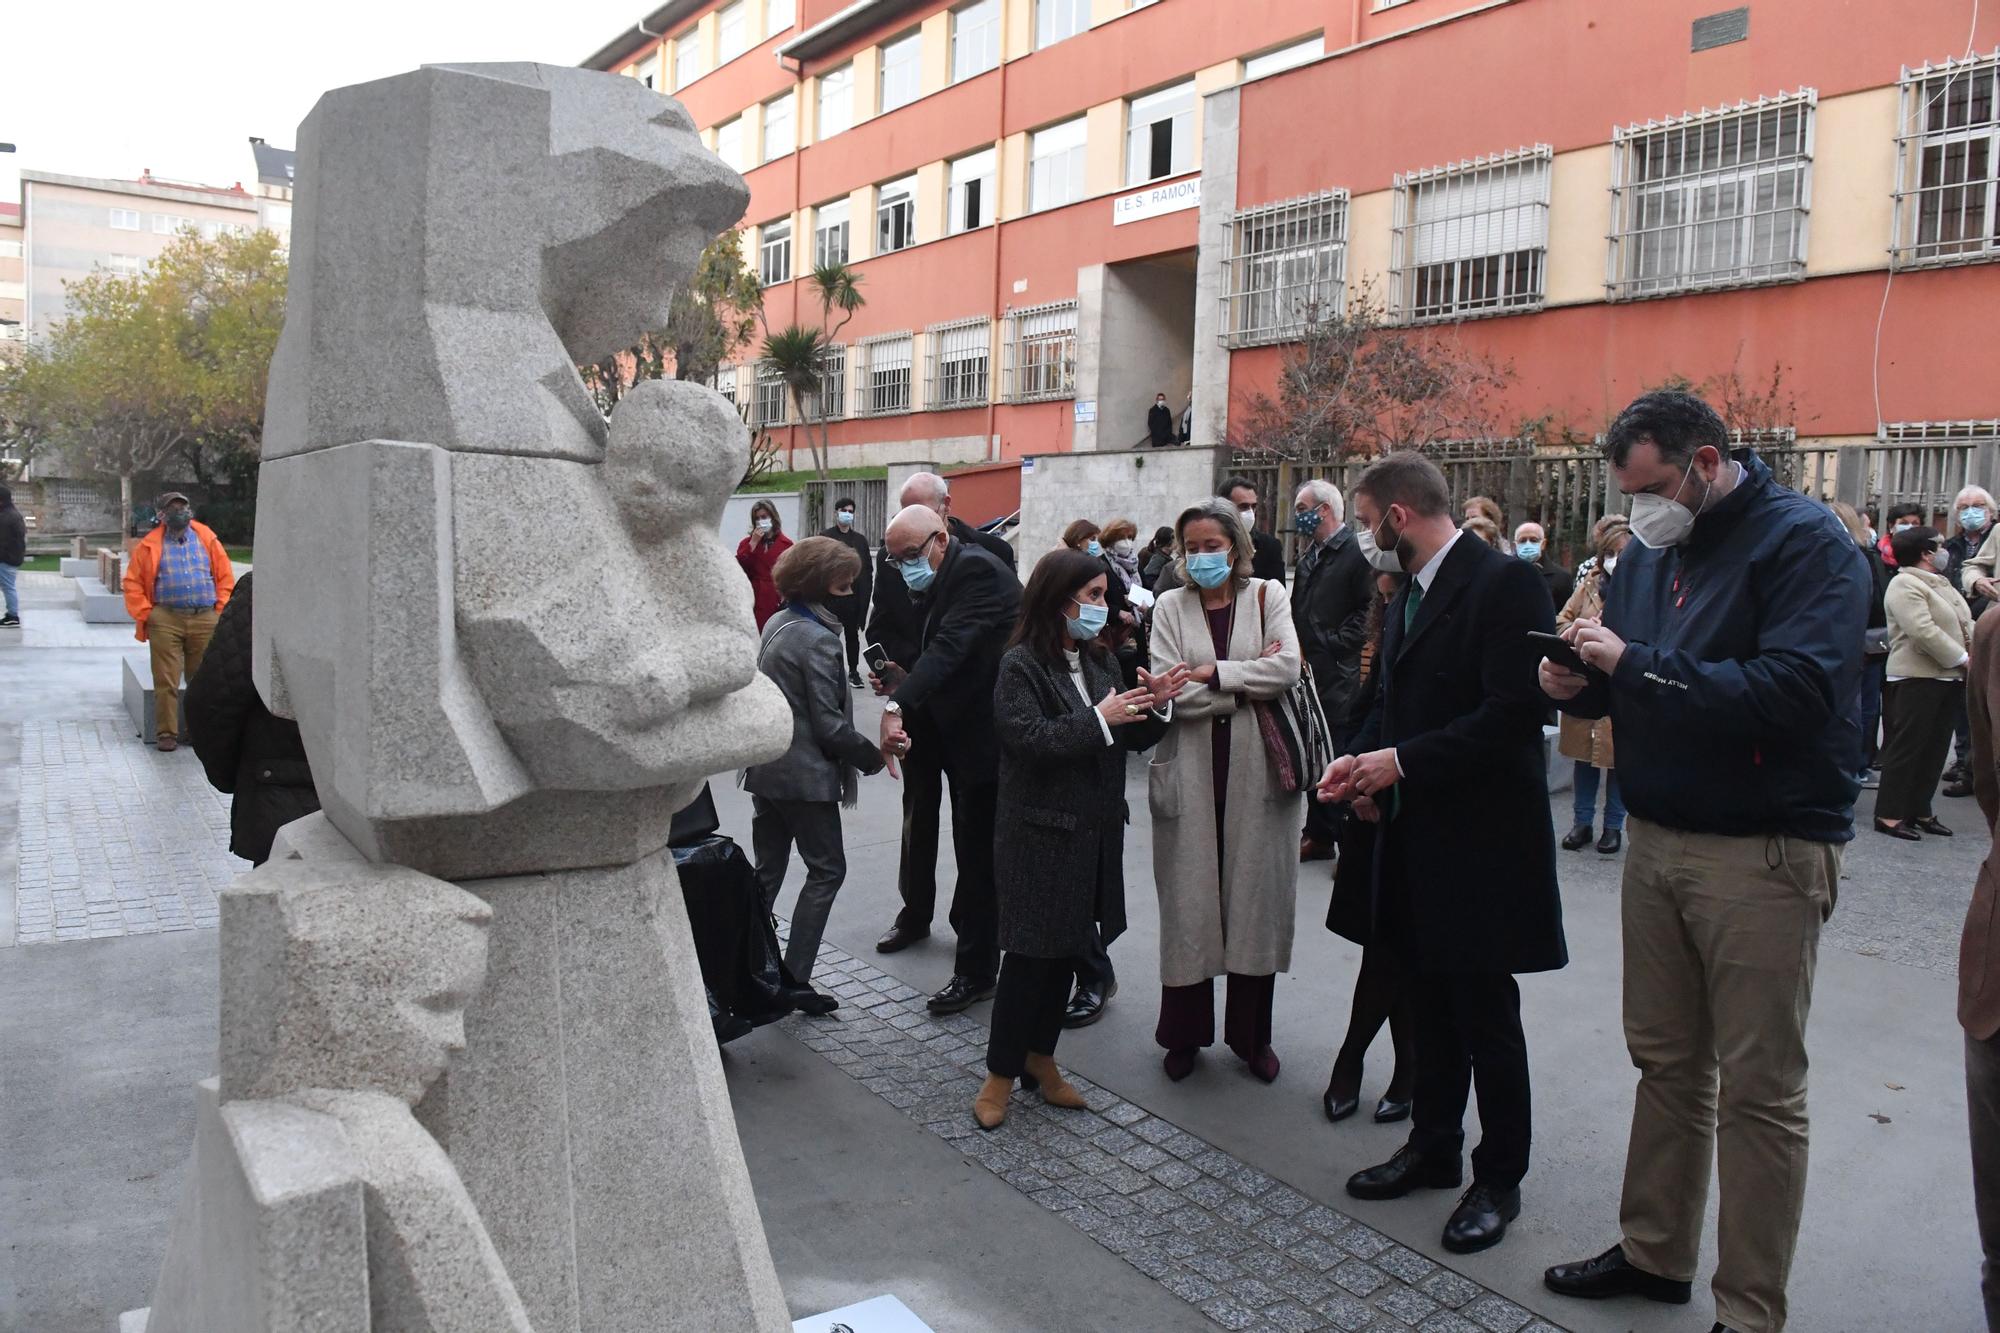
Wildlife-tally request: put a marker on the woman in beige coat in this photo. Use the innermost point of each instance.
(1589, 742)
(1930, 639)
(1225, 835)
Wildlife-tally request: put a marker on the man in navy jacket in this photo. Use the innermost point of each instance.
(1729, 660)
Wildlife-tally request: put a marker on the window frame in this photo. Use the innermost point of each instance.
(687, 48)
(878, 397)
(906, 203)
(1076, 158)
(955, 190)
(946, 389)
(821, 229)
(768, 246)
(1915, 141)
(1078, 16)
(832, 377)
(789, 100)
(1047, 331)
(768, 387)
(1525, 207)
(988, 35)
(116, 216)
(1641, 232)
(846, 93)
(911, 42)
(1285, 57)
(771, 27)
(1269, 277)
(1182, 150)
(734, 161)
(740, 11)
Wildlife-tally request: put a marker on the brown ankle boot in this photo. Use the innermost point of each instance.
(1056, 1091)
(989, 1108)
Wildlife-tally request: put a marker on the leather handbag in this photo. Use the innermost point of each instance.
(1293, 726)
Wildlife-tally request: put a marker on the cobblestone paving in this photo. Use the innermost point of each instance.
(115, 838)
(1247, 1251)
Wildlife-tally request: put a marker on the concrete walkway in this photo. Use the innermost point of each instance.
(1216, 1202)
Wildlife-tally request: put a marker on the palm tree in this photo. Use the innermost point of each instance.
(798, 352)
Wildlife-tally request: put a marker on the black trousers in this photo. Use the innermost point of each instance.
(974, 907)
(1916, 736)
(850, 611)
(1093, 965)
(1469, 1030)
(1027, 1012)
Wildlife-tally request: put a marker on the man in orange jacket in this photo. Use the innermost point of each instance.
(176, 583)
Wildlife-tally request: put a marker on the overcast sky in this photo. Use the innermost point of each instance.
(113, 87)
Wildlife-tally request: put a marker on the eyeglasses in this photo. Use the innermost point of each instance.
(917, 550)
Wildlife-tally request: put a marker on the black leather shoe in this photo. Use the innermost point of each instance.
(1338, 1108)
(854, 679)
(1609, 1275)
(1480, 1220)
(1959, 789)
(1388, 1111)
(815, 1003)
(1087, 1006)
(1408, 1170)
(1578, 838)
(900, 938)
(1929, 824)
(1612, 840)
(959, 994)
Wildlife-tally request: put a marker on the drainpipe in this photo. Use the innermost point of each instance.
(993, 407)
(1354, 27)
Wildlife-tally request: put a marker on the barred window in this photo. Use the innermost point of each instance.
(1948, 164)
(896, 216)
(1472, 238)
(1714, 199)
(771, 396)
(885, 375)
(830, 233)
(1929, 462)
(724, 383)
(830, 403)
(1283, 268)
(958, 367)
(774, 253)
(1041, 352)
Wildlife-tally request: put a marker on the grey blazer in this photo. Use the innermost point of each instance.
(803, 656)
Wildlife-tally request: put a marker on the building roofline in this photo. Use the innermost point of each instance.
(214, 196)
(831, 32)
(654, 26)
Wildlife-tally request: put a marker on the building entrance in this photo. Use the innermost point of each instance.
(1135, 340)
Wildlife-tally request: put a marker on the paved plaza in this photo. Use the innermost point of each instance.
(1212, 1203)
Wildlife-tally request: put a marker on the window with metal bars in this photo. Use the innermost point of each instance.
(896, 216)
(724, 383)
(774, 253)
(1715, 199)
(958, 365)
(1041, 352)
(1283, 266)
(1948, 164)
(830, 233)
(830, 403)
(884, 368)
(1472, 238)
(771, 396)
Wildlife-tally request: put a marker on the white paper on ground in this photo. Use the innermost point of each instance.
(882, 1314)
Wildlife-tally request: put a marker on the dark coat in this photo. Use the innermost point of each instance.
(13, 536)
(893, 621)
(1330, 595)
(1469, 848)
(1267, 556)
(1350, 912)
(242, 746)
(1737, 703)
(1059, 830)
(968, 613)
(1561, 582)
(853, 610)
(1160, 424)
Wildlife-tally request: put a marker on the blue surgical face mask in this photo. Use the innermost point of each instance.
(1307, 523)
(917, 572)
(1209, 569)
(1087, 621)
(845, 518)
(1973, 517)
(1528, 550)
(1095, 547)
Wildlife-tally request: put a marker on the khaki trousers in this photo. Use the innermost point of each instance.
(1721, 937)
(178, 640)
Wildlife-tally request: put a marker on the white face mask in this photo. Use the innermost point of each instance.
(1660, 522)
(1610, 564)
(1940, 560)
(1388, 562)
(1249, 516)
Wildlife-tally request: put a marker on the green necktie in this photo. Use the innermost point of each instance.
(1411, 603)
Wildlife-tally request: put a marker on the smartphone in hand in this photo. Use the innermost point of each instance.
(1561, 651)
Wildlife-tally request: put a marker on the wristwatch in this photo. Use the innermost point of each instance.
(892, 707)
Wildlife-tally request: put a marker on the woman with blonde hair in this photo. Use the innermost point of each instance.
(1586, 742)
(1225, 831)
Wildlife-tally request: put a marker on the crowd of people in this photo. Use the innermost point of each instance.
(1743, 643)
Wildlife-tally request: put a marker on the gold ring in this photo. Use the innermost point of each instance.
(1133, 709)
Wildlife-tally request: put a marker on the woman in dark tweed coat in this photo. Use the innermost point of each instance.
(1065, 724)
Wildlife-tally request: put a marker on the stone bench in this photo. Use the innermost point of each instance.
(77, 567)
(138, 691)
(100, 605)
